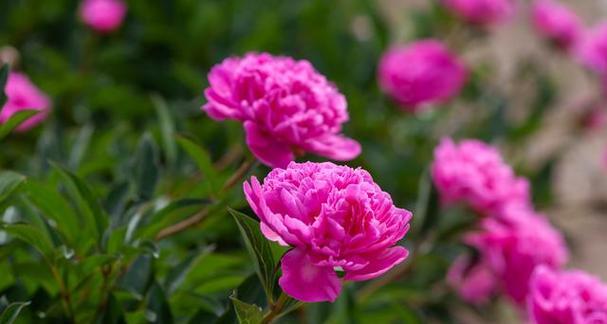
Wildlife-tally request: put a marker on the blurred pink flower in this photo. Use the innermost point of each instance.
(566, 297)
(22, 94)
(511, 245)
(592, 49)
(103, 15)
(557, 23)
(474, 281)
(286, 106)
(482, 12)
(475, 173)
(335, 218)
(421, 73)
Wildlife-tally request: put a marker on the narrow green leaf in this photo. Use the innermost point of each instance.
(247, 313)
(138, 278)
(80, 145)
(145, 168)
(167, 128)
(95, 220)
(10, 314)
(203, 161)
(4, 71)
(33, 236)
(158, 309)
(166, 216)
(16, 119)
(427, 206)
(9, 183)
(54, 207)
(259, 249)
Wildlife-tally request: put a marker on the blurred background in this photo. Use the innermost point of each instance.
(111, 92)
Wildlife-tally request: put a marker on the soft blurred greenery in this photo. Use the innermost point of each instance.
(127, 152)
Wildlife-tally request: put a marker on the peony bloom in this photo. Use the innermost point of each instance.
(482, 12)
(557, 23)
(103, 15)
(22, 94)
(286, 106)
(474, 281)
(420, 74)
(592, 50)
(475, 173)
(335, 218)
(512, 244)
(567, 297)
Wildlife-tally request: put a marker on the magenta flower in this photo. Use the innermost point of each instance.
(566, 297)
(474, 282)
(286, 106)
(512, 244)
(420, 74)
(22, 94)
(335, 218)
(557, 23)
(103, 16)
(482, 12)
(592, 49)
(475, 173)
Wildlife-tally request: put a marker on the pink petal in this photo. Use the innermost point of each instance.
(378, 264)
(335, 147)
(271, 235)
(265, 148)
(305, 281)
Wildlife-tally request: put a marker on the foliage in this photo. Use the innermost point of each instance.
(91, 204)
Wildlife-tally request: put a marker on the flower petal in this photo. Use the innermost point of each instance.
(378, 264)
(335, 147)
(265, 148)
(303, 280)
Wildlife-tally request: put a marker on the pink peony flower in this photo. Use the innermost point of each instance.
(592, 49)
(512, 244)
(556, 22)
(286, 106)
(22, 94)
(103, 15)
(420, 74)
(475, 173)
(567, 297)
(482, 12)
(474, 281)
(335, 218)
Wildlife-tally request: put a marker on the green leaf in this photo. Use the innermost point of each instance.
(11, 312)
(247, 313)
(54, 207)
(9, 183)
(95, 220)
(4, 71)
(16, 119)
(203, 161)
(33, 236)
(259, 249)
(80, 146)
(158, 309)
(166, 216)
(427, 206)
(139, 277)
(145, 168)
(167, 128)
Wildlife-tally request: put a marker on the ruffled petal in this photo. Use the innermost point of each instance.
(265, 148)
(304, 281)
(378, 264)
(335, 147)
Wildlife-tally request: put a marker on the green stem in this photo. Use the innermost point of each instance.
(275, 309)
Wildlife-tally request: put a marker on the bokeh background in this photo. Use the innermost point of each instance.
(115, 94)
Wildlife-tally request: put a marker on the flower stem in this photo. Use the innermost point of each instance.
(275, 309)
(199, 217)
